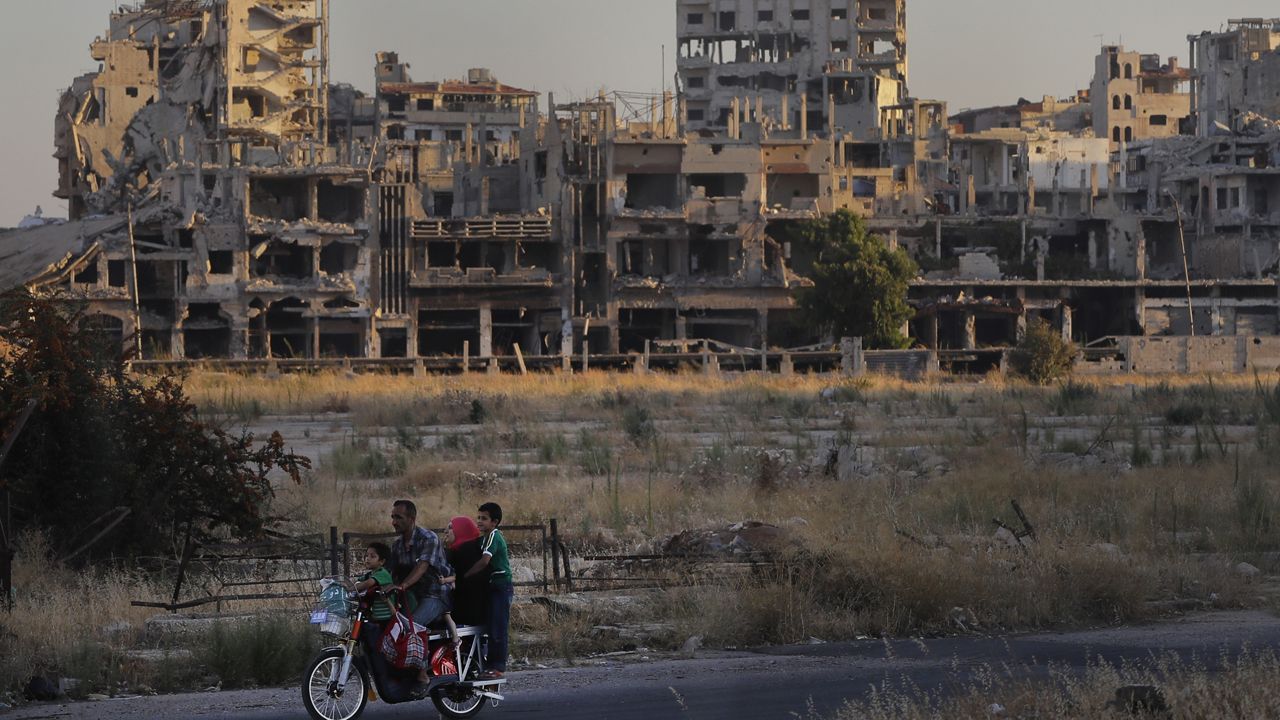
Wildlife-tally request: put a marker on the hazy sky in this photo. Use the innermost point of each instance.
(967, 52)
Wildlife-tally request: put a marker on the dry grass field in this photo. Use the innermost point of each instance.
(1146, 496)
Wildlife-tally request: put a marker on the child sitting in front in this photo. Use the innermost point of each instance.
(377, 576)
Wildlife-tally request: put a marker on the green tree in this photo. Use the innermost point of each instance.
(1042, 355)
(859, 284)
(105, 444)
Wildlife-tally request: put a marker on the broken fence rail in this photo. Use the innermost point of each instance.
(328, 557)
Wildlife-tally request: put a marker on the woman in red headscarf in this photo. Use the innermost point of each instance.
(462, 546)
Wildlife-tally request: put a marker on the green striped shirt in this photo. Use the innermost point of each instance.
(495, 546)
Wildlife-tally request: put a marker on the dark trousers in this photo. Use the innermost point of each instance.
(500, 597)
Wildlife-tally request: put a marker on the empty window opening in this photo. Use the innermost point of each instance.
(206, 333)
(221, 262)
(88, 275)
(709, 257)
(1115, 102)
(442, 204)
(653, 191)
(728, 21)
(800, 14)
(720, 185)
(1128, 134)
(1159, 120)
(426, 104)
(339, 257)
(395, 342)
(131, 92)
(442, 254)
(289, 329)
(637, 326)
(341, 337)
(765, 16)
(1128, 102)
(285, 261)
(116, 273)
(339, 203)
(792, 190)
(839, 13)
(694, 19)
(279, 198)
(444, 332)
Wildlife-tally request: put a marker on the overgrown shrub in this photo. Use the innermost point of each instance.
(104, 446)
(1042, 355)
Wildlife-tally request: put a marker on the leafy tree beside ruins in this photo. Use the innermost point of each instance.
(859, 284)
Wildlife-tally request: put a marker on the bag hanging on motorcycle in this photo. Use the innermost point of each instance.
(404, 644)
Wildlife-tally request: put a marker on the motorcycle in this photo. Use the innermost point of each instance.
(350, 671)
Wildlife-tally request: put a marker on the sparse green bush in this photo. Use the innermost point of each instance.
(1042, 355)
(1185, 413)
(552, 449)
(479, 413)
(264, 651)
(594, 455)
(638, 425)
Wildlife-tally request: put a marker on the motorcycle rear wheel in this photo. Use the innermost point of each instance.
(324, 702)
(455, 702)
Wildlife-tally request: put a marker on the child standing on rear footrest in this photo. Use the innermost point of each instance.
(497, 561)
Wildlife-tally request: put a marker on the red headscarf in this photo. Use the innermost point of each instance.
(464, 530)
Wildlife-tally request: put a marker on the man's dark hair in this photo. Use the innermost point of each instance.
(381, 549)
(493, 510)
(409, 508)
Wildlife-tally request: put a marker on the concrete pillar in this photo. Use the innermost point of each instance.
(787, 367)
(1140, 310)
(852, 362)
(682, 328)
(937, 238)
(486, 331)
(1093, 250)
(1068, 322)
(804, 115)
(970, 331)
(466, 356)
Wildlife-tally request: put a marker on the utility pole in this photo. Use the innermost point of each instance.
(1186, 270)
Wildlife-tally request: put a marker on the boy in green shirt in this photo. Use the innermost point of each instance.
(377, 576)
(497, 561)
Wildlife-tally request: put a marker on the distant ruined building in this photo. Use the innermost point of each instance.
(228, 201)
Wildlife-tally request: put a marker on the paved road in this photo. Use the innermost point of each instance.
(778, 682)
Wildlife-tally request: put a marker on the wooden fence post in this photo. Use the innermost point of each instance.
(555, 552)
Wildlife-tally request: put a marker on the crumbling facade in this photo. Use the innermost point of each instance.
(1237, 75)
(227, 201)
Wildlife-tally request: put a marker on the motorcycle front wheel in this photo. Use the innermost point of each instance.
(322, 696)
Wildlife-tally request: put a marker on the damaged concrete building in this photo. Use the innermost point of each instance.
(227, 201)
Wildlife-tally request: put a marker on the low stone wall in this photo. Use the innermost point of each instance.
(1219, 354)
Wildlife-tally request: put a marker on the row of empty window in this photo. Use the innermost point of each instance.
(729, 20)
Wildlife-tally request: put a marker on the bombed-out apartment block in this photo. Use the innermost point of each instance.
(789, 57)
(227, 201)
